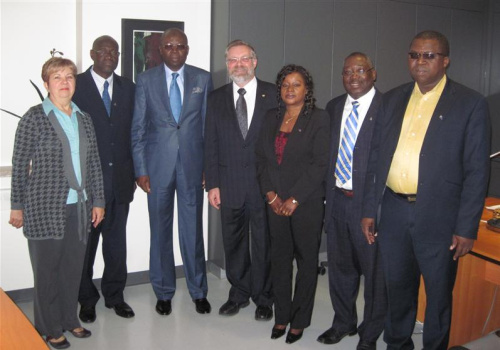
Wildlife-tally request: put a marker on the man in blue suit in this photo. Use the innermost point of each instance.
(109, 99)
(349, 255)
(167, 148)
(426, 182)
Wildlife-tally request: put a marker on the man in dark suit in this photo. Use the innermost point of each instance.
(426, 183)
(167, 147)
(231, 179)
(109, 99)
(349, 255)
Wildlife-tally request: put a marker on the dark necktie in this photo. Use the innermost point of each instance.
(175, 97)
(241, 112)
(343, 169)
(106, 99)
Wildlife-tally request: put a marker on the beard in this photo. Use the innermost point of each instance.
(243, 75)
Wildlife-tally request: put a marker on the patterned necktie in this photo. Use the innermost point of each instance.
(175, 97)
(241, 112)
(106, 99)
(343, 168)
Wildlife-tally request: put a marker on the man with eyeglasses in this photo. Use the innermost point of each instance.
(167, 148)
(425, 188)
(109, 99)
(234, 117)
(353, 117)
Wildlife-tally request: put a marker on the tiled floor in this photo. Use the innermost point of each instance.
(186, 329)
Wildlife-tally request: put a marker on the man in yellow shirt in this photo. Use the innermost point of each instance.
(425, 187)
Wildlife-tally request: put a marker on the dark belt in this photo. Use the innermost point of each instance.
(408, 197)
(346, 193)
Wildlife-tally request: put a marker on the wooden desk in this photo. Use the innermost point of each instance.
(16, 331)
(478, 279)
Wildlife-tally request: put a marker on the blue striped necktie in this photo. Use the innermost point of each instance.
(105, 98)
(343, 168)
(175, 97)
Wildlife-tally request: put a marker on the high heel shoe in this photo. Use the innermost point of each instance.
(292, 337)
(277, 332)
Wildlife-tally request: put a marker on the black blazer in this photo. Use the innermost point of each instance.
(230, 159)
(301, 173)
(361, 154)
(112, 132)
(453, 166)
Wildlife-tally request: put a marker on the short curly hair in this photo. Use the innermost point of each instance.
(310, 101)
(55, 64)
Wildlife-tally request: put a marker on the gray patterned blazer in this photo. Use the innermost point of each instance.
(42, 192)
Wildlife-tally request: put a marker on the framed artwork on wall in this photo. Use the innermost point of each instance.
(140, 44)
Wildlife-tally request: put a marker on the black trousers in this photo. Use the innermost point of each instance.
(57, 268)
(405, 257)
(247, 252)
(114, 251)
(297, 237)
(349, 257)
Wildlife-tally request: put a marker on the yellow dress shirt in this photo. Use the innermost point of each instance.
(403, 175)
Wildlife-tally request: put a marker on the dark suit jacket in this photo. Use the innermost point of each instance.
(301, 173)
(112, 132)
(453, 167)
(230, 159)
(361, 154)
(157, 138)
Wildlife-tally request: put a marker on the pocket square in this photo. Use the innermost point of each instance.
(197, 90)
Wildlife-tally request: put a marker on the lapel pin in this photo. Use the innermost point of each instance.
(371, 118)
(300, 130)
(263, 95)
(441, 117)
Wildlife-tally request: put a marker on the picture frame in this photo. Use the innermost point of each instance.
(140, 44)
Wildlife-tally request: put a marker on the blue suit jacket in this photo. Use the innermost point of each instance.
(230, 159)
(453, 166)
(361, 154)
(157, 138)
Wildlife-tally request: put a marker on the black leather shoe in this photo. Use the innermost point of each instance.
(63, 344)
(263, 313)
(366, 345)
(333, 336)
(164, 307)
(231, 308)
(81, 332)
(277, 332)
(87, 314)
(122, 309)
(292, 338)
(202, 306)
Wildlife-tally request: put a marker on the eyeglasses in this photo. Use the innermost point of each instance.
(171, 47)
(361, 71)
(425, 55)
(234, 60)
(112, 53)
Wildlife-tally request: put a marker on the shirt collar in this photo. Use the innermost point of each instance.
(252, 84)
(48, 106)
(169, 72)
(368, 97)
(438, 89)
(100, 80)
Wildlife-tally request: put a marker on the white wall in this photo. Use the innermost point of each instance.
(29, 30)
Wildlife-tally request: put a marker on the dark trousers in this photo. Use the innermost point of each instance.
(405, 257)
(114, 252)
(297, 237)
(161, 253)
(349, 257)
(247, 252)
(57, 269)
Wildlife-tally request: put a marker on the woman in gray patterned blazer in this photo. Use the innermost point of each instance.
(56, 199)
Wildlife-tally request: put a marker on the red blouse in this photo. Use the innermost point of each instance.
(279, 145)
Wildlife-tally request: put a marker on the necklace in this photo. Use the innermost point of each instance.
(290, 119)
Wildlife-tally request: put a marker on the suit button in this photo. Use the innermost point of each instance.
(178, 127)
(111, 124)
(110, 164)
(112, 143)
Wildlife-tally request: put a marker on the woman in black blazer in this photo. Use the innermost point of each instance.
(292, 158)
